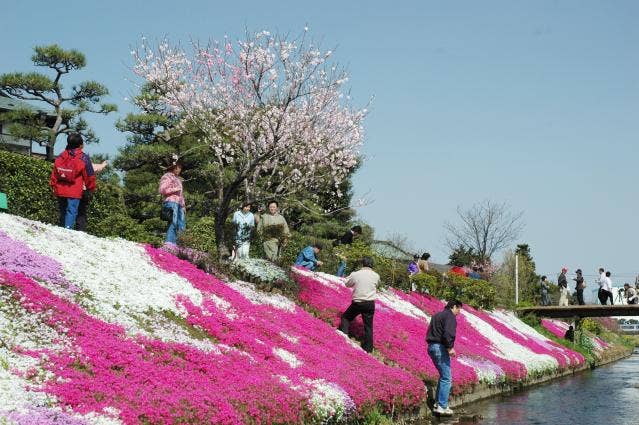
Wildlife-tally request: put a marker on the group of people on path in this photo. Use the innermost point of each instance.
(604, 292)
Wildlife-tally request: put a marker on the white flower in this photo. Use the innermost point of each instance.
(287, 357)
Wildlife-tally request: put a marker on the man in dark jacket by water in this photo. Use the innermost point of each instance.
(441, 341)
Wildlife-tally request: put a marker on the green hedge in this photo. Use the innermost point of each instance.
(474, 292)
(25, 180)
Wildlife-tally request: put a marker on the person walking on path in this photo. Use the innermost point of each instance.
(580, 284)
(364, 283)
(441, 346)
(562, 282)
(412, 268)
(244, 222)
(274, 231)
(545, 288)
(605, 288)
(346, 239)
(307, 258)
(422, 264)
(72, 172)
(631, 294)
(173, 199)
(601, 281)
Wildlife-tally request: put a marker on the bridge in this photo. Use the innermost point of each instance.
(581, 311)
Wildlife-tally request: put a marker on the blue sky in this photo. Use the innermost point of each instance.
(530, 102)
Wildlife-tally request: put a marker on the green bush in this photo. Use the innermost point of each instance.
(474, 292)
(25, 180)
(591, 325)
(200, 235)
(426, 283)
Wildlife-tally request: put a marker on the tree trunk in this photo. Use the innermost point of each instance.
(220, 237)
(50, 156)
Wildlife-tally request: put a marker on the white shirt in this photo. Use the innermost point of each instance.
(364, 283)
(601, 280)
(607, 284)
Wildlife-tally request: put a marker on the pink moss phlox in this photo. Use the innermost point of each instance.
(258, 329)
(469, 343)
(399, 338)
(149, 380)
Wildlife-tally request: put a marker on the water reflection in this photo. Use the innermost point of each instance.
(607, 395)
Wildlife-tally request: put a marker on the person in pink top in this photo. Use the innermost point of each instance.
(173, 204)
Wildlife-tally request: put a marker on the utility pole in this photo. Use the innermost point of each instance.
(516, 279)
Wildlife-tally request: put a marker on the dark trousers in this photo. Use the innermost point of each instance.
(81, 220)
(603, 296)
(580, 296)
(367, 310)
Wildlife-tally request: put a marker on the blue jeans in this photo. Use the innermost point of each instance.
(178, 224)
(68, 211)
(341, 269)
(439, 354)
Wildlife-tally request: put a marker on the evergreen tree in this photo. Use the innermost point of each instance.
(67, 108)
(154, 134)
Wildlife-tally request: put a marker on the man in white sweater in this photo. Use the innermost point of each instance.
(364, 283)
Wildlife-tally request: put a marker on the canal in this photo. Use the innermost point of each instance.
(608, 395)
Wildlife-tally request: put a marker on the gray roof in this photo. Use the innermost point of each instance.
(8, 103)
(386, 249)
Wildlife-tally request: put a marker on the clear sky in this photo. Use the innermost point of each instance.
(530, 102)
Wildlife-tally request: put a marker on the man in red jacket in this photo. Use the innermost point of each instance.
(72, 172)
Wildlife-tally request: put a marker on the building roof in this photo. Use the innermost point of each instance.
(8, 103)
(387, 249)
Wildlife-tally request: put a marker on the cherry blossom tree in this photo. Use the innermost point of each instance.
(272, 111)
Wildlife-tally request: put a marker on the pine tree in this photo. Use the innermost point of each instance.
(67, 108)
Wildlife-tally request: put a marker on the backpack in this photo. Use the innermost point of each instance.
(65, 168)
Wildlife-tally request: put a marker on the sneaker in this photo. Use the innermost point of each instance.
(442, 411)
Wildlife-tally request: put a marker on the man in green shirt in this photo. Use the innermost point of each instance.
(274, 231)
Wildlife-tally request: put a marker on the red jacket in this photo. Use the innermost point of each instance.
(459, 270)
(85, 177)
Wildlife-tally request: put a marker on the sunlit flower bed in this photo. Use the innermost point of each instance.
(492, 346)
(108, 331)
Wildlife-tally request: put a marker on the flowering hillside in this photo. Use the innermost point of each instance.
(491, 346)
(108, 331)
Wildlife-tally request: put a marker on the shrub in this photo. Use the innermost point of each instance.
(426, 283)
(200, 235)
(474, 292)
(591, 325)
(25, 180)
